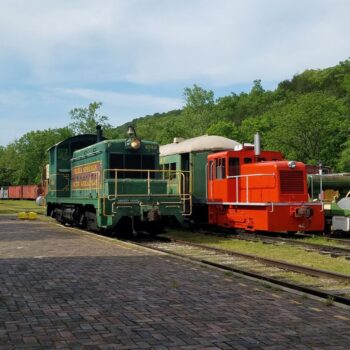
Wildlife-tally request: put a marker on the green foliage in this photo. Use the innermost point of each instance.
(198, 99)
(343, 164)
(86, 119)
(24, 159)
(311, 128)
(224, 128)
(307, 118)
(199, 110)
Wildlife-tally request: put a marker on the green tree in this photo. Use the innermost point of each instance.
(250, 126)
(224, 128)
(343, 164)
(198, 113)
(25, 158)
(86, 119)
(7, 165)
(312, 128)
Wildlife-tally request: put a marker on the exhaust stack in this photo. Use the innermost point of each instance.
(257, 144)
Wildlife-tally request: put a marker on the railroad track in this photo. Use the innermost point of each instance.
(345, 241)
(339, 240)
(322, 248)
(250, 265)
(334, 251)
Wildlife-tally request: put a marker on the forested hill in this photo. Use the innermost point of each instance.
(307, 118)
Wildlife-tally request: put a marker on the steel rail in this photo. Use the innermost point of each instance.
(308, 290)
(340, 240)
(276, 263)
(315, 246)
(264, 238)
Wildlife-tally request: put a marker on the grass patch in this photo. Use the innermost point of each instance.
(8, 206)
(329, 301)
(323, 241)
(228, 273)
(291, 254)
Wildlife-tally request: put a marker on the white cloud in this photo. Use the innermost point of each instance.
(157, 41)
(59, 54)
(122, 100)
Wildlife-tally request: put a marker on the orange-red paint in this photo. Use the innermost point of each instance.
(262, 193)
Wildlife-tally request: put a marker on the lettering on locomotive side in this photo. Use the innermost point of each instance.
(86, 176)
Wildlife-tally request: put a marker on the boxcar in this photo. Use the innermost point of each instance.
(15, 192)
(30, 191)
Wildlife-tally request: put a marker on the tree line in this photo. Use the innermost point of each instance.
(306, 117)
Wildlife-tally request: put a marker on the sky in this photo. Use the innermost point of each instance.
(137, 56)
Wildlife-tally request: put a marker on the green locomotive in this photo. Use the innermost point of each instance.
(103, 184)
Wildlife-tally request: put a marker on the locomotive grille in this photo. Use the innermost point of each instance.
(292, 181)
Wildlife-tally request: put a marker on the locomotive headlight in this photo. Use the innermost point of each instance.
(292, 164)
(135, 144)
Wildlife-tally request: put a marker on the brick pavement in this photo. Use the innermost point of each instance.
(60, 289)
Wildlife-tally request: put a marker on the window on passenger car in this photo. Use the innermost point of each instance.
(233, 167)
(165, 173)
(168, 173)
(52, 156)
(247, 160)
(172, 173)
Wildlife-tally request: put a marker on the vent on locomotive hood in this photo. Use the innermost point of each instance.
(292, 181)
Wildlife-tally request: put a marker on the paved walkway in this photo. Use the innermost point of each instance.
(69, 290)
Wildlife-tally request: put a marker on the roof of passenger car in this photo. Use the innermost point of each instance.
(197, 144)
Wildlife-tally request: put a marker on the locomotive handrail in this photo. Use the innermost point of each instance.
(66, 176)
(247, 176)
(184, 197)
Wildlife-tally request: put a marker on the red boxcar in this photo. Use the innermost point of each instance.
(260, 193)
(30, 191)
(15, 192)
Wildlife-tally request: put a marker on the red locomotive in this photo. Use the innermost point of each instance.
(260, 192)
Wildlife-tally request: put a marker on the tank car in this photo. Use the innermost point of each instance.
(333, 191)
(103, 184)
(259, 191)
(337, 215)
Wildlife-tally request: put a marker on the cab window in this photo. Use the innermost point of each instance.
(220, 168)
(233, 167)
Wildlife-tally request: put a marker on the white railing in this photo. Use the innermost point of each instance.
(246, 177)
